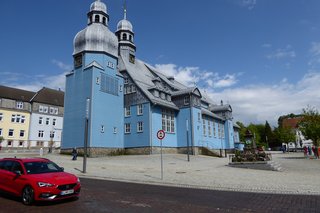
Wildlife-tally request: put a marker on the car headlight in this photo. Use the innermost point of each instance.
(42, 184)
(78, 180)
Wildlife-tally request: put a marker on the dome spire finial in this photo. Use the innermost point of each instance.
(125, 10)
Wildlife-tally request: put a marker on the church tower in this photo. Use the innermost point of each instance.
(125, 35)
(94, 89)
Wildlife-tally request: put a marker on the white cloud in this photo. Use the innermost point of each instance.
(61, 65)
(315, 54)
(250, 4)
(258, 103)
(193, 75)
(286, 52)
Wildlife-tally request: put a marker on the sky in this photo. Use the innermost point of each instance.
(260, 56)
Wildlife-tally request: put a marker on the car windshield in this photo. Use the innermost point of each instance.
(41, 167)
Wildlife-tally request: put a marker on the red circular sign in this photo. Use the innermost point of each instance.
(161, 134)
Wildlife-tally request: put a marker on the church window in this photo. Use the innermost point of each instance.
(168, 120)
(156, 93)
(131, 58)
(140, 126)
(120, 88)
(127, 112)
(139, 109)
(90, 19)
(204, 126)
(104, 20)
(110, 64)
(214, 129)
(127, 128)
(186, 100)
(102, 128)
(97, 18)
(130, 37)
(133, 88)
(98, 80)
(124, 36)
(78, 61)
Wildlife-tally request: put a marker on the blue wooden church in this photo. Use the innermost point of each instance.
(127, 100)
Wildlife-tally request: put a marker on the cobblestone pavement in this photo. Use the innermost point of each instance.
(300, 175)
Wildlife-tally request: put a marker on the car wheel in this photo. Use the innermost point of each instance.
(28, 195)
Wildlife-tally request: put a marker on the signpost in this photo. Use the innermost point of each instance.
(85, 148)
(160, 135)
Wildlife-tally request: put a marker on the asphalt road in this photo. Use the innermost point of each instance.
(111, 196)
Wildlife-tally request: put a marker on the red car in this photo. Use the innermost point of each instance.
(37, 179)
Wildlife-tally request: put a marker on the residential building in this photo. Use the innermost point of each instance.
(46, 118)
(127, 101)
(14, 117)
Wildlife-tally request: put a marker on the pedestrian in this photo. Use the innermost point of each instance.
(316, 152)
(305, 151)
(309, 151)
(74, 153)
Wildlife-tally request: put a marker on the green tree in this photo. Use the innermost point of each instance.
(1, 139)
(310, 125)
(242, 131)
(284, 135)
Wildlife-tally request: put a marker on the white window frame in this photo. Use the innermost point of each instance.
(47, 121)
(115, 130)
(23, 119)
(127, 111)
(13, 118)
(126, 80)
(204, 126)
(11, 131)
(110, 65)
(140, 126)
(209, 128)
(214, 129)
(19, 105)
(54, 121)
(167, 119)
(56, 110)
(51, 110)
(102, 129)
(41, 108)
(127, 128)
(40, 120)
(1, 116)
(139, 109)
(23, 133)
(45, 109)
(40, 134)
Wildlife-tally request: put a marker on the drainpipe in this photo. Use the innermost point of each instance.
(150, 128)
(192, 125)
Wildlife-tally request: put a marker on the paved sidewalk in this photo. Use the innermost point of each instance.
(300, 175)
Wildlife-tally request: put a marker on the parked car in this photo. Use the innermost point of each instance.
(37, 179)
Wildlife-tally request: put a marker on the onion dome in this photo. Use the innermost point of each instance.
(96, 36)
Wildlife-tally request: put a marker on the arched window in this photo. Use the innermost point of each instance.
(96, 18)
(124, 36)
(130, 37)
(104, 20)
(90, 19)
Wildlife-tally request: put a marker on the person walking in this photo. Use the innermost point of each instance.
(74, 153)
(309, 151)
(305, 151)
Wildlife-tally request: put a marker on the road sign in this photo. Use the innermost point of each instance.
(161, 134)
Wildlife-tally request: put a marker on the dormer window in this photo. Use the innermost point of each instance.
(97, 18)
(131, 58)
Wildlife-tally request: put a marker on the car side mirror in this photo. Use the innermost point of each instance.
(62, 169)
